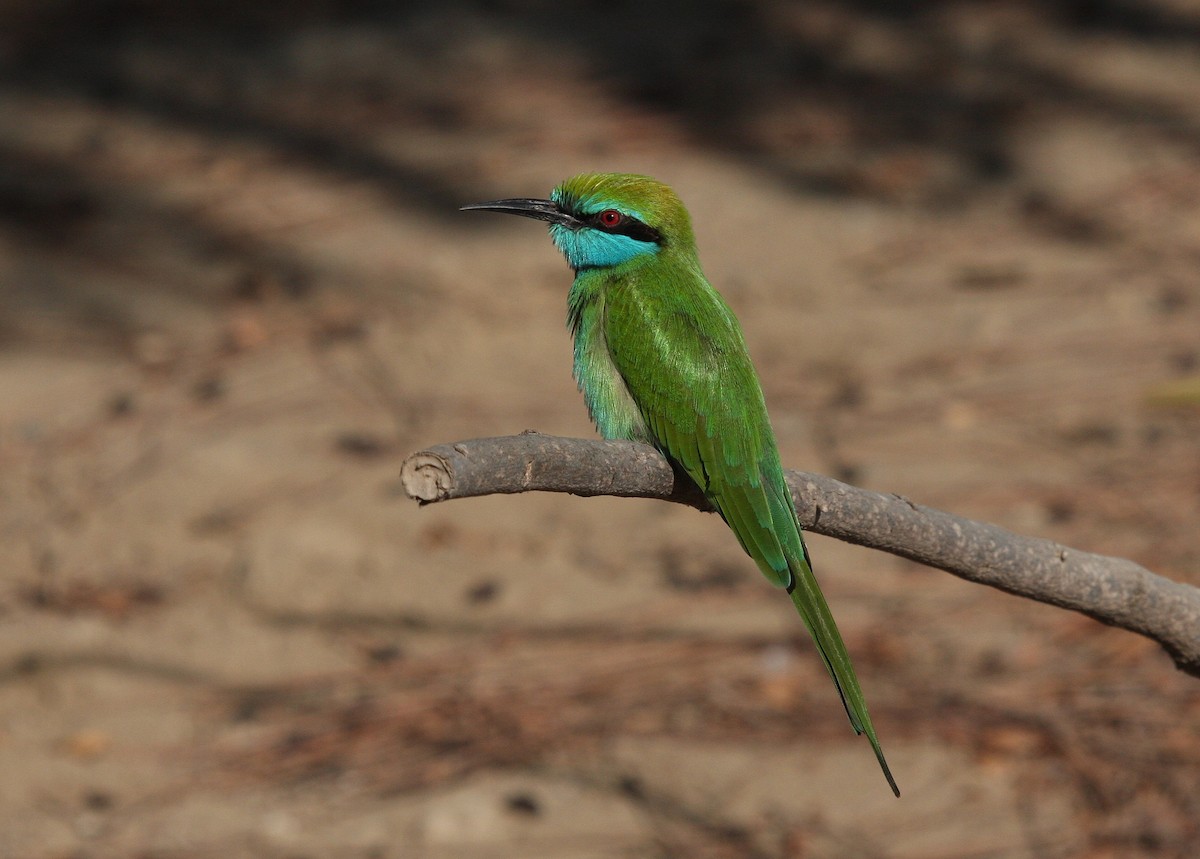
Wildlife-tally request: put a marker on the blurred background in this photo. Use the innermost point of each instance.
(963, 239)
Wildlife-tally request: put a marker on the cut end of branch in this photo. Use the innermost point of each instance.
(426, 477)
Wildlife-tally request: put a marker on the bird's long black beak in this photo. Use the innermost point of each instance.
(541, 210)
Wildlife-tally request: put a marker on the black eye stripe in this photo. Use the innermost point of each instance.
(629, 226)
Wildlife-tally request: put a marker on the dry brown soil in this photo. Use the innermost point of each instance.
(964, 242)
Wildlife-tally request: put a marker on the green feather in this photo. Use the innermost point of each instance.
(702, 402)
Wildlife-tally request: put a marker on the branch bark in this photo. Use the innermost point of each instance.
(1114, 591)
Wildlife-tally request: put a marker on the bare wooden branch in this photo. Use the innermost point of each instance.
(1111, 590)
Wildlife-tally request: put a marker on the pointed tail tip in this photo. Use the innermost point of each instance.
(887, 771)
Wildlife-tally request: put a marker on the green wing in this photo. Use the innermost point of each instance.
(682, 356)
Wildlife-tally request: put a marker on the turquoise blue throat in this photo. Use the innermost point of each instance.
(587, 248)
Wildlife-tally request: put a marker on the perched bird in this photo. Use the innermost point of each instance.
(660, 358)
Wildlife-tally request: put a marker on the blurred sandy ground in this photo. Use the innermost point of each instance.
(963, 238)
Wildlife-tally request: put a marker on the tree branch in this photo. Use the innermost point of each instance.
(1111, 590)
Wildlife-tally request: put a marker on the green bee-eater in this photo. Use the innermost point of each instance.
(660, 358)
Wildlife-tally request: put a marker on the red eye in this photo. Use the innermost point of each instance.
(610, 218)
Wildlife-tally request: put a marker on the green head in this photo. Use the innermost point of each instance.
(603, 220)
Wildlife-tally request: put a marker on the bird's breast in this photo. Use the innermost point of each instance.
(611, 406)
